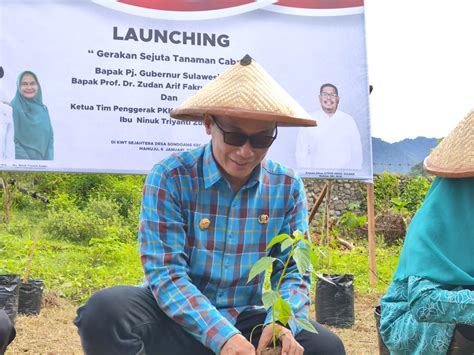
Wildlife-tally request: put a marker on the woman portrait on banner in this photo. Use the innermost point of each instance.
(429, 306)
(33, 133)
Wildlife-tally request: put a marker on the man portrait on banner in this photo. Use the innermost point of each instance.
(335, 142)
(206, 217)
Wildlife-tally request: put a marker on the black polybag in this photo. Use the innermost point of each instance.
(9, 292)
(31, 297)
(383, 350)
(335, 301)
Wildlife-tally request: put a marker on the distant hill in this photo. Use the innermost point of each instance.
(400, 157)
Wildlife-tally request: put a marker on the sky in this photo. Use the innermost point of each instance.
(420, 57)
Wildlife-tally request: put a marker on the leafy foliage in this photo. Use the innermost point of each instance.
(99, 219)
(82, 206)
(399, 206)
(79, 189)
(305, 256)
(414, 192)
(401, 194)
(349, 224)
(387, 187)
(397, 198)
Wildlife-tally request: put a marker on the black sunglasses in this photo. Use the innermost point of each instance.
(258, 141)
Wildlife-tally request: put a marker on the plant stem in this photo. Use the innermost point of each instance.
(30, 257)
(273, 328)
(283, 273)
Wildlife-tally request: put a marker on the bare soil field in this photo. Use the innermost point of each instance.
(52, 332)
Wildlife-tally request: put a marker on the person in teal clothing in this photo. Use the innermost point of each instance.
(33, 133)
(429, 306)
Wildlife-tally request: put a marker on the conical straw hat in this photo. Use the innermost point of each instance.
(245, 91)
(454, 156)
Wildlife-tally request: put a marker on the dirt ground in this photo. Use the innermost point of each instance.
(52, 332)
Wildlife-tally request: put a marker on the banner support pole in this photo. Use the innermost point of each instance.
(371, 233)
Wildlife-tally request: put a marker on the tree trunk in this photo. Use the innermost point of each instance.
(7, 198)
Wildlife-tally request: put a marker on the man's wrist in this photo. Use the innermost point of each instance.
(219, 344)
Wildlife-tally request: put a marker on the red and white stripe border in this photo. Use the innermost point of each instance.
(304, 11)
(184, 15)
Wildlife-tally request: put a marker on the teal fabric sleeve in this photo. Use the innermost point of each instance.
(419, 316)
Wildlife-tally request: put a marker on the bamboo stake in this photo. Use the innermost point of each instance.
(30, 257)
(328, 207)
(316, 205)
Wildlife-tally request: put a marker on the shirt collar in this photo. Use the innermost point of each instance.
(212, 174)
(210, 170)
(257, 175)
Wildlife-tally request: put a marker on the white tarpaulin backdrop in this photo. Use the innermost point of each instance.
(110, 72)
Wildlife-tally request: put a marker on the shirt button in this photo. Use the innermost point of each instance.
(230, 236)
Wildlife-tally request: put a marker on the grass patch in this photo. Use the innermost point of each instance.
(72, 270)
(75, 271)
(357, 262)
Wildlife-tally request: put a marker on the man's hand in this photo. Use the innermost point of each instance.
(288, 343)
(238, 345)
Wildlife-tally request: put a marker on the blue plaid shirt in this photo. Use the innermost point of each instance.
(199, 275)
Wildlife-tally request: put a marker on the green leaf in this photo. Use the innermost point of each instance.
(308, 243)
(269, 298)
(277, 239)
(298, 235)
(286, 244)
(302, 259)
(261, 265)
(313, 256)
(282, 311)
(306, 325)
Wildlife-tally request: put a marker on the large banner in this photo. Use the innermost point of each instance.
(87, 86)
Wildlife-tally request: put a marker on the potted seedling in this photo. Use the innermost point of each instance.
(31, 291)
(305, 255)
(334, 298)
